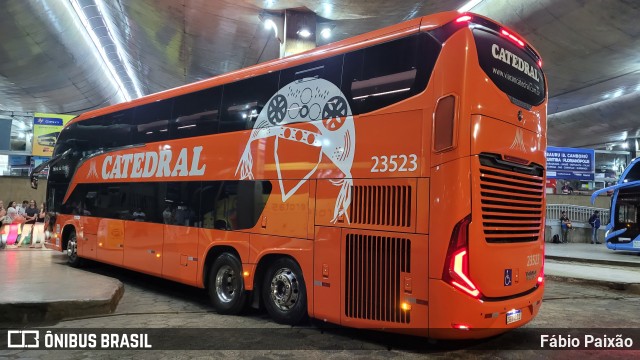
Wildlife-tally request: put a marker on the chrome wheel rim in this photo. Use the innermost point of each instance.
(284, 289)
(71, 249)
(226, 284)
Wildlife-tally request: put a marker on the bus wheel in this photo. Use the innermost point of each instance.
(72, 250)
(226, 285)
(284, 292)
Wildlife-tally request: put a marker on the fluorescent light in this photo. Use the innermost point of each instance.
(270, 24)
(469, 5)
(120, 51)
(326, 33)
(98, 45)
(305, 33)
(186, 126)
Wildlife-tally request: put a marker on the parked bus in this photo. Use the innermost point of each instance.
(394, 180)
(623, 230)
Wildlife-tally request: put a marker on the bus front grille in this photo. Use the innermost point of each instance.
(385, 205)
(373, 280)
(512, 200)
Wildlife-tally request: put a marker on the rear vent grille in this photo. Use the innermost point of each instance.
(373, 281)
(388, 205)
(511, 197)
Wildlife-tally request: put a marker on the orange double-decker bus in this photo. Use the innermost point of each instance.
(394, 180)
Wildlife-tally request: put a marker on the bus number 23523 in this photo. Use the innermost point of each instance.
(393, 163)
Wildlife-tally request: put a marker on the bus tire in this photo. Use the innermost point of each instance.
(226, 285)
(284, 293)
(72, 251)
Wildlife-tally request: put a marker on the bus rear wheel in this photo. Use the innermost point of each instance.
(284, 292)
(72, 251)
(226, 285)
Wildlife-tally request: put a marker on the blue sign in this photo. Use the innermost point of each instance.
(507, 277)
(47, 121)
(570, 163)
(17, 160)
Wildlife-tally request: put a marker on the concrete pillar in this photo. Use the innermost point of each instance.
(294, 22)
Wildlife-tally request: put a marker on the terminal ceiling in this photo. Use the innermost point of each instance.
(48, 63)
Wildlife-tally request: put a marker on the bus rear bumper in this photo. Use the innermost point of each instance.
(455, 315)
(623, 246)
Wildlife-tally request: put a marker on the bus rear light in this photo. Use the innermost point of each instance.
(460, 326)
(512, 37)
(463, 18)
(541, 276)
(456, 271)
(516, 159)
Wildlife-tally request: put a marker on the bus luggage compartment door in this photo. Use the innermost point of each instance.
(110, 241)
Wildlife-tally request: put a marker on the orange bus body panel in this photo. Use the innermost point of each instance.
(372, 242)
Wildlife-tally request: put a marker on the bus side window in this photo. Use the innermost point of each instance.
(387, 73)
(328, 69)
(196, 114)
(151, 122)
(243, 100)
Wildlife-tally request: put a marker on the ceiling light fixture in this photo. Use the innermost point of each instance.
(269, 23)
(469, 5)
(98, 45)
(305, 33)
(326, 33)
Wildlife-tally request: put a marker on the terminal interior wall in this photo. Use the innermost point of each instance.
(18, 189)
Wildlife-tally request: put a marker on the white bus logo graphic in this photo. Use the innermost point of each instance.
(18, 339)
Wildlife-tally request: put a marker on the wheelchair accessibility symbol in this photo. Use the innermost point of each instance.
(507, 277)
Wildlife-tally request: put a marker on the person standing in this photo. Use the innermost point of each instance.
(594, 221)
(565, 225)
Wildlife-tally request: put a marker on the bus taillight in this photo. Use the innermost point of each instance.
(541, 276)
(456, 271)
(512, 37)
(463, 18)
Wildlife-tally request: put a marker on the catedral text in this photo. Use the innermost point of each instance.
(515, 61)
(153, 164)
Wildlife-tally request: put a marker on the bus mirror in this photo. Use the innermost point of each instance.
(34, 181)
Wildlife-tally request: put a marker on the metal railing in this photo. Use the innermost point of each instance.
(575, 213)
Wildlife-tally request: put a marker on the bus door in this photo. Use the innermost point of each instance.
(88, 231)
(180, 217)
(111, 206)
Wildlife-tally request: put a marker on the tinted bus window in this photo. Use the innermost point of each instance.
(329, 69)
(384, 74)
(233, 205)
(197, 114)
(152, 122)
(243, 100)
(181, 203)
(510, 67)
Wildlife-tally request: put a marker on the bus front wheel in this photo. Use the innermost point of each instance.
(284, 292)
(226, 285)
(72, 250)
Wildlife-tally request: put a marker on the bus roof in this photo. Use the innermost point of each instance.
(424, 23)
